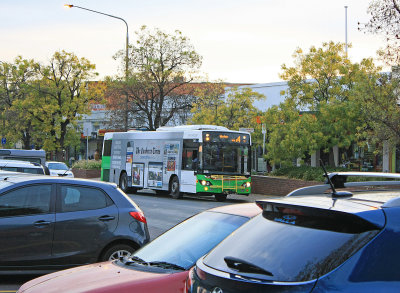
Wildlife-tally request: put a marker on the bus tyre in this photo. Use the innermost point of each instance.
(174, 188)
(123, 182)
(220, 197)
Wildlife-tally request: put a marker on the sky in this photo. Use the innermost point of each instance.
(240, 41)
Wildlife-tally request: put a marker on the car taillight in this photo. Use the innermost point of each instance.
(139, 216)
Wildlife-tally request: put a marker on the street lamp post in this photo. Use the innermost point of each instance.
(126, 51)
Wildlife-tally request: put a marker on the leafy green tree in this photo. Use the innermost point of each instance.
(320, 111)
(60, 97)
(161, 66)
(377, 96)
(233, 109)
(15, 85)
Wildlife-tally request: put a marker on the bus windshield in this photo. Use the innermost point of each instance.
(226, 153)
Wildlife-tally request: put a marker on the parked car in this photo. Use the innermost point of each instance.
(59, 169)
(21, 166)
(160, 266)
(311, 241)
(49, 223)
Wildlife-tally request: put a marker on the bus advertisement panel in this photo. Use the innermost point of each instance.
(194, 159)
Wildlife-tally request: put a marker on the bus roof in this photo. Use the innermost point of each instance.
(192, 127)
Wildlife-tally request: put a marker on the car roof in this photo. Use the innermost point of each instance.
(383, 191)
(16, 163)
(49, 179)
(248, 210)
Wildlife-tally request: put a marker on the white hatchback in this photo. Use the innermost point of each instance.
(59, 169)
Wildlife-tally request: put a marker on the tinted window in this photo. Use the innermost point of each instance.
(78, 198)
(191, 239)
(290, 252)
(26, 201)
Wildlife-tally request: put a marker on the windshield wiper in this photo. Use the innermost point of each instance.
(166, 265)
(134, 259)
(244, 266)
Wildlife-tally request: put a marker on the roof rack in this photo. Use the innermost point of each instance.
(339, 181)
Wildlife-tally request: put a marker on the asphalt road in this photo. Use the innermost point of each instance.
(162, 213)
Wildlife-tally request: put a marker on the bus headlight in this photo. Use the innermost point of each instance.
(246, 184)
(205, 183)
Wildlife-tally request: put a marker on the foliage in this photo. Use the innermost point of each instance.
(233, 109)
(320, 110)
(377, 97)
(60, 97)
(156, 90)
(87, 164)
(40, 104)
(15, 81)
(385, 18)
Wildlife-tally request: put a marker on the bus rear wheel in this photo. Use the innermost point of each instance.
(174, 188)
(123, 182)
(220, 197)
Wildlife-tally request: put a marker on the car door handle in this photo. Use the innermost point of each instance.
(106, 218)
(41, 223)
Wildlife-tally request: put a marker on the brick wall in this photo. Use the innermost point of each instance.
(82, 173)
(277, 186)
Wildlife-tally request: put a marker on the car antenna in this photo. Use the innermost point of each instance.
(335, 194)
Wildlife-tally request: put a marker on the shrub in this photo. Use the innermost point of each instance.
(87, 164)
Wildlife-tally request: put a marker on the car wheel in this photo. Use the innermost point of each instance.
(123, 182)
(174, 188)
(118, 252)
(220, 197)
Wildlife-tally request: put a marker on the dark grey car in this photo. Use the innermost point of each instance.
(50, 223)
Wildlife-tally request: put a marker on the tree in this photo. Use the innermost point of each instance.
(60, 97)
(15, 86)
(160, 67)
(320, 111)
(385, 18)
(378, 100)
(232, 108)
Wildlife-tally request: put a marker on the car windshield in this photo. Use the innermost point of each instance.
(284, 250)
(58, 166)
(191, 239)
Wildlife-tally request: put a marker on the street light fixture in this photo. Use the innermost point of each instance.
(113, 16)
(126, 52)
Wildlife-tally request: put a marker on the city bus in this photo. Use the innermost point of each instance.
(189, 159)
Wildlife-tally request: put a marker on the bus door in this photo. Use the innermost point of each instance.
(171, 162)
(128, 162)
(190, 165)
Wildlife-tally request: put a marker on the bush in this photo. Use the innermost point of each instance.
(87, 164)
(305, 172)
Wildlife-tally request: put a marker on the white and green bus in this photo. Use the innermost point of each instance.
(191, 159)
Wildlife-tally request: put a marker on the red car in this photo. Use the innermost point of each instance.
(160, 266)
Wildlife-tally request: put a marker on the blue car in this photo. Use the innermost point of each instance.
(313, 241)
(51, 223)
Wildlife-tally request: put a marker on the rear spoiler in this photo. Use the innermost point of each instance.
(339, 180)
(321, 218)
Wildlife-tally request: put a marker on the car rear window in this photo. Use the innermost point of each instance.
(191, 239)
(292, 247)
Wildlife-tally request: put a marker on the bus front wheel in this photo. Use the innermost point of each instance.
(174, 188)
